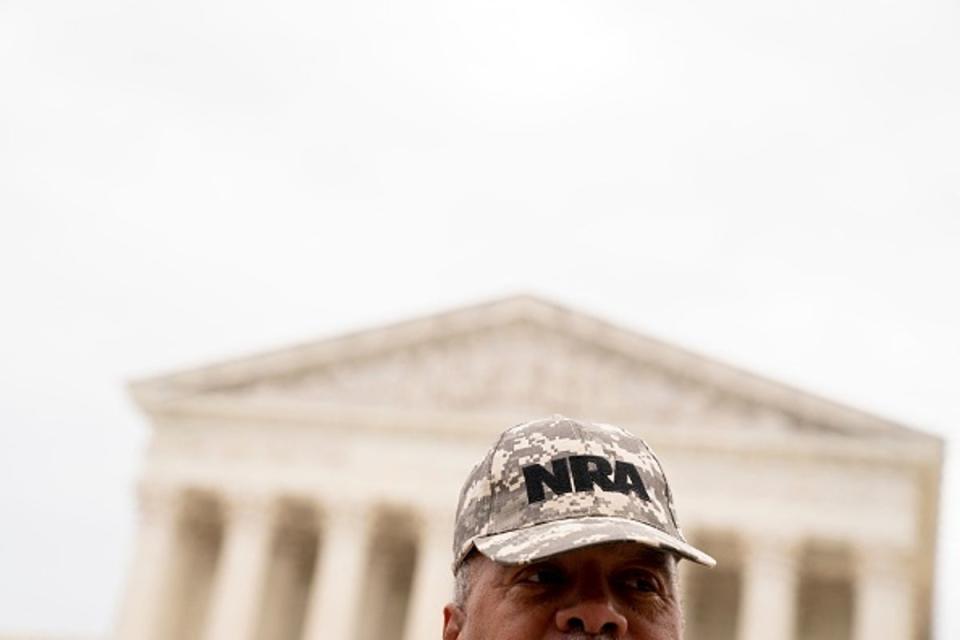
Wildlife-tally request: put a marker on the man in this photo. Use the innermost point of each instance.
(566, 531)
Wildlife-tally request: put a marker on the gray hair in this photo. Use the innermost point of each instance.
(461, 582)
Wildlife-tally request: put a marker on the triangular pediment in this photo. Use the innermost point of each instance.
(520, 366)
(519, 356)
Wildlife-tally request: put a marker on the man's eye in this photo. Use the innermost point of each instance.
(545, 576)
(641, 583)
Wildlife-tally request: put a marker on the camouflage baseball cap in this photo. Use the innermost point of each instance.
(557, 484)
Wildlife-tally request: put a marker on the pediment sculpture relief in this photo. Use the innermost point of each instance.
(516, 368)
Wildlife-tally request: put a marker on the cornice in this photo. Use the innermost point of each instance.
(345, 420)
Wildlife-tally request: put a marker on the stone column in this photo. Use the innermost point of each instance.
(332, 610)
(241, 571)
(147, 593)
(884, 596)
(768, 600)
(432, 578)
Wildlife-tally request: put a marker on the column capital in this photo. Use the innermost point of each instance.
(255, 508)
(882, 561)
(770, 550)
(346, 512)
(159, 501)
(434, 520)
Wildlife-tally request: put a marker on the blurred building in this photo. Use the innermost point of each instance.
(308, 493)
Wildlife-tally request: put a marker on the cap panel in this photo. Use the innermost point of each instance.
(473, 508)
(622, 445)
(544, 441)
(534, 443)
(668, 494)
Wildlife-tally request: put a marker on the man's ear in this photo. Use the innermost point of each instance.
(453, 621)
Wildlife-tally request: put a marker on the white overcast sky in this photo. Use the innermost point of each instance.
(774, 183)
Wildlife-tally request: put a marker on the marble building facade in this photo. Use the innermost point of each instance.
(308, 493)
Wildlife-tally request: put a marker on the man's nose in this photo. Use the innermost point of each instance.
(594, 615)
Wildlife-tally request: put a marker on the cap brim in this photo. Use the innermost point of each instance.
(536, 542)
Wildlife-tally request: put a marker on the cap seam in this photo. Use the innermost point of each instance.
(489, 473)
(668, 494)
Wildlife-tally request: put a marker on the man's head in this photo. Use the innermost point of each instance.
(567, 530)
